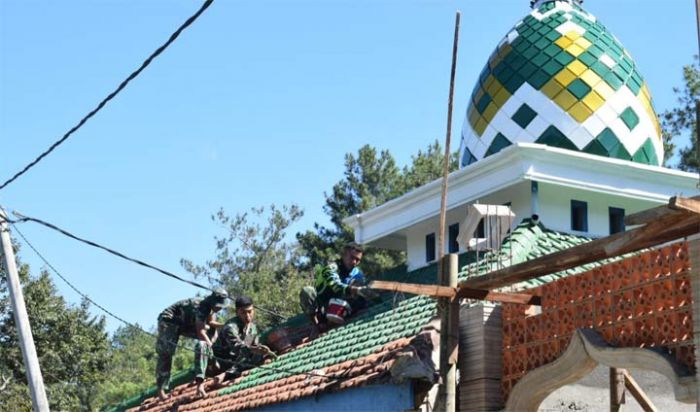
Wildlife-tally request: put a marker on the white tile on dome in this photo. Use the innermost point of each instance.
(526, 137)
(525, 92)
(566, 124)
(607, 60)
(511, 106)
(622, 132)
(581, 137)
(568, 16)
(607, 114)
(512, 36)
(537, 126)
(594, 124)
(564, 6)
(506, 125)
(621, 99)
(570, 26)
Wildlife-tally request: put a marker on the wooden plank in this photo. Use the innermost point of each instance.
(665, 229)
(522, 298)
(638, 393)
(687, 204)
(650, 215)
(428, 290)
(450, 292)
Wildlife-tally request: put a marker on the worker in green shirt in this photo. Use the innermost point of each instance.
(193, 318)
(237, 348)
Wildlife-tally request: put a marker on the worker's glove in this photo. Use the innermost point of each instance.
(367, 293)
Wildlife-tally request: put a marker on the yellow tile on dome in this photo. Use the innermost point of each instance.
(572, 35)
(490, 112)
(494, 88)
(577, 67)
(575, 50)
(604, 90)
(563, 42)
(593, 101)
(565, 99)
(590, 78)
(501, 97)
(473, 117)
(552, 88)
(583, 43)
(489, 81)
(580, 112)
(565, 77)
(480, 126)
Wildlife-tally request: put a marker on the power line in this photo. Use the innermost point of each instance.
(109, 97)
(111, 251)
(23, 218)
(140, 329)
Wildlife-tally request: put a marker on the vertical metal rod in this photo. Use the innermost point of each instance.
(446, 163)
(24, 331)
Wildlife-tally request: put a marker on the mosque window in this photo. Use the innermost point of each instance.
(430, 247)
(617, 219)
(453, 246)
(579, 216)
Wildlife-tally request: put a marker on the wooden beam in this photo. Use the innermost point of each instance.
(522, 298)
(450, 292)
(638, 394)
(650, 215)
(687, 204)
(664, 229)
(428, 290)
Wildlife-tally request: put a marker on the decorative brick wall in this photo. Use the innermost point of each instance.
(642, 301)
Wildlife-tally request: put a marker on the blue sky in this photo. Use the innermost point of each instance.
(255, 104)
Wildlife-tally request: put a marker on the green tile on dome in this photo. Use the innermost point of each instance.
(630, 118)
(499, 143)
(600, 69)
(524, 115)
(467, 158)
(564, 58)
(540, 60)
(646, 154)
(530, 53)
(539, 79)
(608, 139)
(514, 83)
(552, 50)
(579, 88)
(552, 67)
(527, 70)
(594, 147)
(587, 59)
(553, 137)
(613, 81)
(620, 152)
(483, 103)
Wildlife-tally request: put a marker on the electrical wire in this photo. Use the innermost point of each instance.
(109, 97)
(23, 218)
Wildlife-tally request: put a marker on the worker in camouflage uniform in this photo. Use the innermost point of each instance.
(237, 348)
(193, 318)
(342, 279)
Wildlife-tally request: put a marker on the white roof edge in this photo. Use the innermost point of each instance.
(532, 151)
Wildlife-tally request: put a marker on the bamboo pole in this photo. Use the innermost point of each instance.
(448, 137)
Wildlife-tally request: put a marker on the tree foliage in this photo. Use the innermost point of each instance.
(71, 344)
(254, 258)
(371, 178)
(132, 362)
(682, 119)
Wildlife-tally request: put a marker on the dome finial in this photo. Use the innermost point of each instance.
(537, 3)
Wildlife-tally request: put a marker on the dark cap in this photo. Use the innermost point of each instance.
(217, 298)
(243, 302)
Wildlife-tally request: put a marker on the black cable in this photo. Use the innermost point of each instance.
(23, 218)
(112, 251)
(121, 86)
(140, 329)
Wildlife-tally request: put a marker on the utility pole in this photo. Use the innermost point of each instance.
(24, 331)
